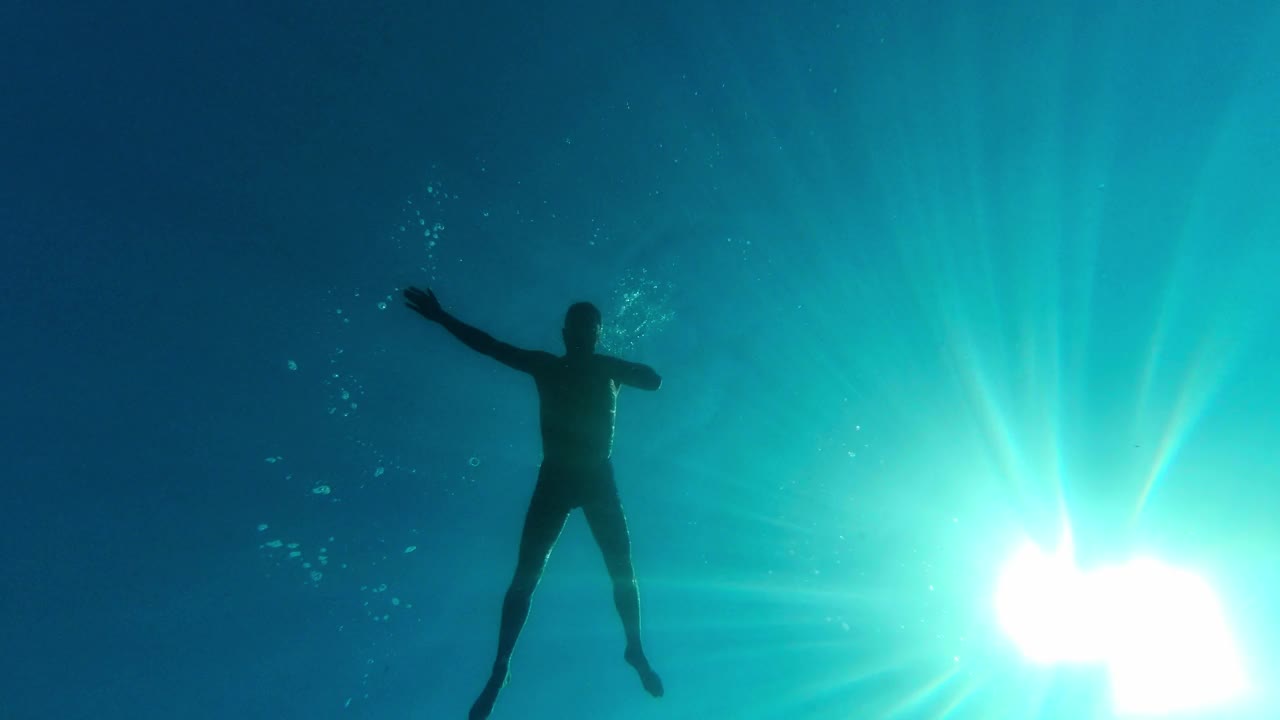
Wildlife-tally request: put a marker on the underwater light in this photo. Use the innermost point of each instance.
(1159, 630)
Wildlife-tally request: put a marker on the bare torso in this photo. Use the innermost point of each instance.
(578, 399)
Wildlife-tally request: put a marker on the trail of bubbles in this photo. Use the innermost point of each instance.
(420, 223)
(640, 307)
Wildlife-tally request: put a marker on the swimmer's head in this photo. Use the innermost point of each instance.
(581, 328)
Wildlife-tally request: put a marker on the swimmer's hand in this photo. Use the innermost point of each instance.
(424, 303)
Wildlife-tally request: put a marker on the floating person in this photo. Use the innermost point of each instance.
(578, 395)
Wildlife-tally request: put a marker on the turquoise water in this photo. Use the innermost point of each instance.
(924, 281)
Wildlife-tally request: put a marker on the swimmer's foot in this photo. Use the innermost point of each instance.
(636, 659)
(484, 704)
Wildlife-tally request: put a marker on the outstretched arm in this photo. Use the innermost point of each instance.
(634, 374)
(426, 305)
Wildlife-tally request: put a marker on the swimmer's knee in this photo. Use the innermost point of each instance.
(620, 568)
(625, 583)
(523, 583)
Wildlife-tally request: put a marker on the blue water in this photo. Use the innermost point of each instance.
(922, 279)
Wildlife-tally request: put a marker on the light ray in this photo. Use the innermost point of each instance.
(931, 688)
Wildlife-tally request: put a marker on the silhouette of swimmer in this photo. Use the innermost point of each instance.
(578, 395)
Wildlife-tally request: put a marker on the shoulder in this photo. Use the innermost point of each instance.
(537, 360)
(614, 367)
(630, 373)
(609, 362)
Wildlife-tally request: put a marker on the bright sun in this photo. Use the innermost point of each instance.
(1159, 630)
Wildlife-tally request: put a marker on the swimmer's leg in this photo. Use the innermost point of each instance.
(609, 526)
(542, 525)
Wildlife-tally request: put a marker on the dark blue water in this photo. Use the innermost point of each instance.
(922, 279)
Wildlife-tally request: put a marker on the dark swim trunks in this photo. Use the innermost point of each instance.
(562, 487)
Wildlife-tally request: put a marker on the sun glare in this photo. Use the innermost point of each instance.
(1159, 630)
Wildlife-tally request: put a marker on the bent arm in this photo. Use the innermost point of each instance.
(635, 375)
